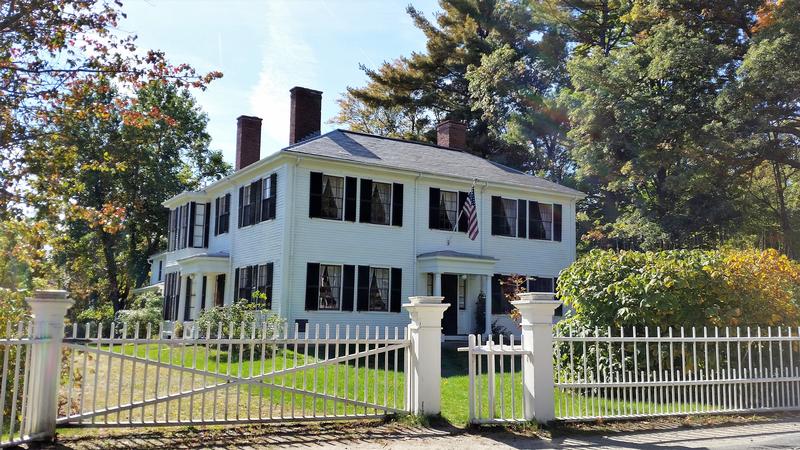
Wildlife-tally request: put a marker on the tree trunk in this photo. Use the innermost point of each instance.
(112, 271)
(783, 213)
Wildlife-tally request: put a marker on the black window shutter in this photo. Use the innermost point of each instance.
(268, 290)
(433, 209)
(312, 286)
(207, 225)
(192, 210)
(350, 197)
(365, 213)
(187, 301)
(557, 222)
(522, 218)
(315, 195)
(462, 220)
(236, 285)
(497, 295)
(497, 216)
(274, 194)
(216, 216)
(363, 289)
(348, 287)
(395, 297)
(397, 204)
(241, 204)
(228, 215)
(255, 202)
(203, 296)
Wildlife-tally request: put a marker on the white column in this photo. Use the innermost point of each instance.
(487, 289)
(437, 284)
(424, 372)
(48, 309)
(181, 297)
(536, 309)
(197, 294)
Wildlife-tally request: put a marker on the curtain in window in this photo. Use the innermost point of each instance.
(448, 209)
(330, 281)
(510, 210)
(332, 197)
(379, 289)
(381, 203)
(546, 212)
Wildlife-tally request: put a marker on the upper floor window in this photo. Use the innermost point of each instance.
(335, 197)
(257, 201)
(223, 214)
(381, 205)
(444, 207)
(523, 218)
(188, 226)
(332, 200)
(252, 279)
(541, 220)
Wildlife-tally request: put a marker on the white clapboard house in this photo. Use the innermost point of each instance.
(343, 227)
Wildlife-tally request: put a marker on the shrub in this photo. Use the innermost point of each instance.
(146, 310)
(229, 321)
(682, 288)
(102, 313)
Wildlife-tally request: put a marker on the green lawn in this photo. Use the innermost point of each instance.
(372, 384)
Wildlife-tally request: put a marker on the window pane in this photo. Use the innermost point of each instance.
(546, 211)
(381, 203)
(541, 284)
(510, 210)
(330, 287)
(267, 188)
(332, 197)
(448, 209)
(378, 289)
(199, 224)
(462, 293)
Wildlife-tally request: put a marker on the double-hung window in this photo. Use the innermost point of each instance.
(381, 212)
(198, 232)
(444, 210)
(541, 220)
(223, 214)
(247, 205)
(462, 293)
(504, 217)
(378, 289)
(330, 287)
(332, 201)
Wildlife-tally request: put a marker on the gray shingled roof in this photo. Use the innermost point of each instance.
(418, 157)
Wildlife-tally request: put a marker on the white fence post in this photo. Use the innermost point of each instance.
(49, 309)
(424, 374)
(536, 309)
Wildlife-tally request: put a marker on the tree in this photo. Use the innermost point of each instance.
(49, 46)
(433, 84)
(393, 121)
(123, 165)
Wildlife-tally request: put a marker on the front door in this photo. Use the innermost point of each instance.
(450, 294)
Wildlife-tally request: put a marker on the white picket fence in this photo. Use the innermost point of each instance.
(653, 372)
(239, 373)
(496, 371)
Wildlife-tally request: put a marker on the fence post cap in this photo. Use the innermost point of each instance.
(49, 302)
(426, 300)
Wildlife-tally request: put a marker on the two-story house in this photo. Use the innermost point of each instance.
(343, 227)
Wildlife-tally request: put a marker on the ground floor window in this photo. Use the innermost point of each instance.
(462, 292)
(330, 287)
(378, 289)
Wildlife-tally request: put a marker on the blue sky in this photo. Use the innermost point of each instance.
(265, 47)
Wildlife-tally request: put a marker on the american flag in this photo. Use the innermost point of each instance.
(471, 210)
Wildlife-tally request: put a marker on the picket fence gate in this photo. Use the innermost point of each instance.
(113, 376)
(239, 373)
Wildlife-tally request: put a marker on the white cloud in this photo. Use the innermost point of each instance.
(287, 61)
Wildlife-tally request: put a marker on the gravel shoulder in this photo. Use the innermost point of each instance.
(721, 432)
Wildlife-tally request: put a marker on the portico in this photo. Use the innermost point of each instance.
(200, 286)
(459, 277)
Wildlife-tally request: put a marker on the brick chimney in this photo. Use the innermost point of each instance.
(452, 134)
(305, 120)
(248, 141)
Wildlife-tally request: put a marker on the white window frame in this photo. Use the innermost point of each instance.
(391, 200)
(341, 210)
(448, 191)
(530, 223)
(319, 288)
(199, 224)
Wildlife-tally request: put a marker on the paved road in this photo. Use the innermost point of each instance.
(772, 433)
